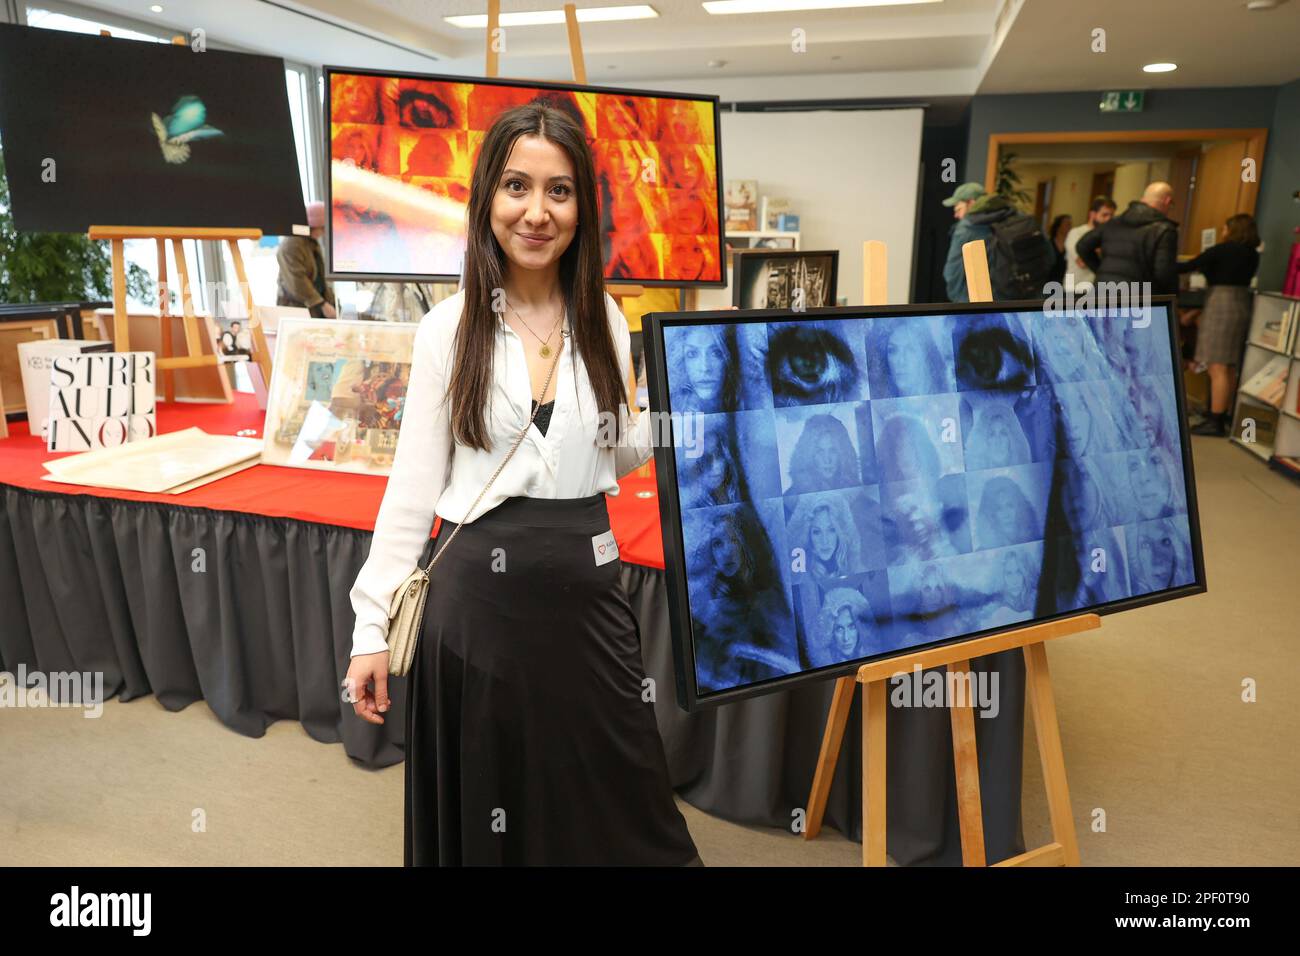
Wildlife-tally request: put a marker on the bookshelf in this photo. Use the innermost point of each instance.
(1268, 389)
(763, 238)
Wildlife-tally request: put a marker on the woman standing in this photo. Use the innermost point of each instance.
(1228, 268)
(529, 738)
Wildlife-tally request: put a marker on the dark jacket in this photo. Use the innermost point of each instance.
(1228, 263)
(1141, 245)
(302, 273)
(976, 224)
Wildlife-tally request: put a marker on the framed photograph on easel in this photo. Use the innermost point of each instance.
(783, 279)
(337, 394)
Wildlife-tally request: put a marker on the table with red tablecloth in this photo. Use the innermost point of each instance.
(339, 499)
(237, 593)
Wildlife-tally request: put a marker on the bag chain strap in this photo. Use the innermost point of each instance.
(509, 455)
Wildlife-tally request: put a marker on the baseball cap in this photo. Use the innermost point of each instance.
(965, 191)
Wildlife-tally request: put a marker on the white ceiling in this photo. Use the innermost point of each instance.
(882, 51)
(952, 47)
(1214, 43)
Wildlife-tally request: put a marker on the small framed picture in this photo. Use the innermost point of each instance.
(784, 279)
(337, 394)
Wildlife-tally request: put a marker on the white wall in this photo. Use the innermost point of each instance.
(849, 175)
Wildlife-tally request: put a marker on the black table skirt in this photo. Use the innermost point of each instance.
(258, 624)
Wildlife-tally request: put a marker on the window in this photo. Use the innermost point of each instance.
(54, 20)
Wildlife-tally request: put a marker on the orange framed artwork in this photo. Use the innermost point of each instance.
(402, 149)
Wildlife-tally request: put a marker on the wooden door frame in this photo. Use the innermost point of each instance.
(1256, 140)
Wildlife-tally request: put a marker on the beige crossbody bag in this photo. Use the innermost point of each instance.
(406, 615)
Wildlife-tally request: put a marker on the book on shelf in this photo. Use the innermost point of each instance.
(742, 205)
(1269, 383)
(773, 208)
(1276, 333)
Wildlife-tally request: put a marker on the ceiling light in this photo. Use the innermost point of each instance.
(1160, 68)
(478, 21)
(156, 8)
(721, 7)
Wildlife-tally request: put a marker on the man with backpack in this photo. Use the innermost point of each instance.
(1141, 245)
(1020, 255)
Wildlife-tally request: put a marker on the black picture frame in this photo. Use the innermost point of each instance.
(331, 273)
(246, 175)
(748, 259)
(654, 324)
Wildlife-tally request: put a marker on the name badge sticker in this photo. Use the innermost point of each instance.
(604, 547)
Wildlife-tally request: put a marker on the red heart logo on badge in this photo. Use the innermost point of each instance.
(601, 549)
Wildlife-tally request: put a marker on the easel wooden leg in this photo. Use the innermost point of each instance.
(121, 331)
(165, 318)
(1048, 731)
(874, 762)
(575, 44)
(493, 25)
(190, 324)
(965, 758)
(832, 738)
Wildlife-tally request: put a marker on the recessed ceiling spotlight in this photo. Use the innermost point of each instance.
(156, 8)
(716, 64)
(1160, 68)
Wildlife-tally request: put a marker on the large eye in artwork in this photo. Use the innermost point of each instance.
(423, 108)
(807, 364)
(991, 356)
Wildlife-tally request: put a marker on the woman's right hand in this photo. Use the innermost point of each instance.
(364, 670)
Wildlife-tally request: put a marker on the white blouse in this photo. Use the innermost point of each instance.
(432, 474)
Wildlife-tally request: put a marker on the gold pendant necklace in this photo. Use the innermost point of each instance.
(545, 350)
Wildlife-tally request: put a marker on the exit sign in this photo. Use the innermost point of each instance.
(1122, 101)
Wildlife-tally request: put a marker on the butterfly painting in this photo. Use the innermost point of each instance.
(184, 124)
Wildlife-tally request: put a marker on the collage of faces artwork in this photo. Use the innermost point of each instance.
(655, 160)
(870, 484)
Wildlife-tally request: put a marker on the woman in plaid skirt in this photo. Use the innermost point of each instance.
(1228, 268)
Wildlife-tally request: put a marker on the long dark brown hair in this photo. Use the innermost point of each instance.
(582, 281)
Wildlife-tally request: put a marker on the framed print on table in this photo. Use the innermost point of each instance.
(783, 279)
(337, 394)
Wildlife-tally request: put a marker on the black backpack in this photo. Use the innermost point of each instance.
(1020, 258)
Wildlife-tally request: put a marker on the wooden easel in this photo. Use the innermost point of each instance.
(1064, 848)
(194, 358)
(618, 292)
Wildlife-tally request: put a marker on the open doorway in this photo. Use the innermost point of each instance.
(1059, 174)
(1205, 167)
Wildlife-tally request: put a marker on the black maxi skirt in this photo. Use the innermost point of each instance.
(530, 737)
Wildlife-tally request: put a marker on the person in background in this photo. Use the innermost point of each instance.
(1099, 212)
(1141, 245)
(1228, 268)
(1059, 233)
(954, 269)
(302, 269)
(1011, 278)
